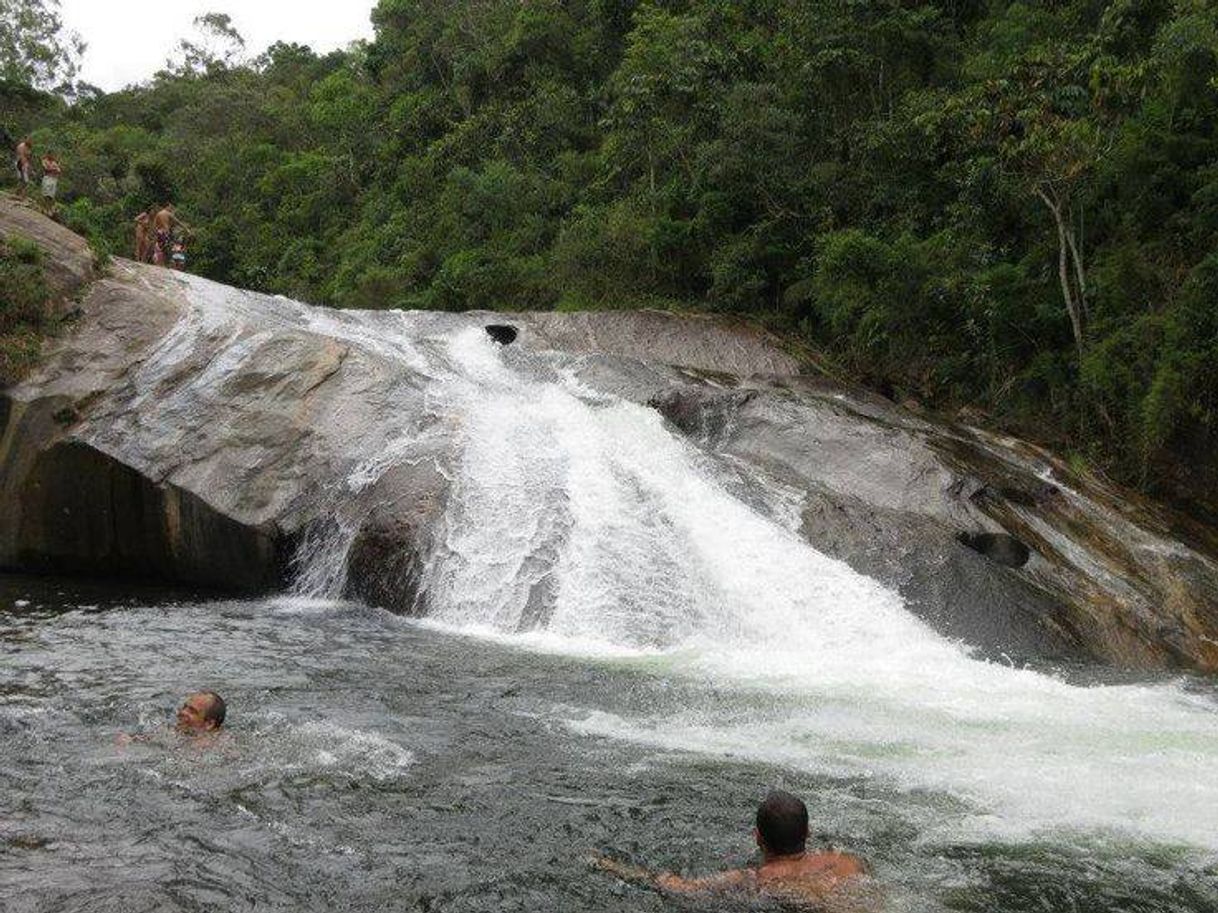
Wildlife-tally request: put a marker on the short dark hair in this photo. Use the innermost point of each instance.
(782, 822)
(216, 709)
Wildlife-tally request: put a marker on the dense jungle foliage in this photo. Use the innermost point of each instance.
(1010, 205)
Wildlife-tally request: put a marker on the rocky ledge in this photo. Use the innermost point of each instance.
(193, 433)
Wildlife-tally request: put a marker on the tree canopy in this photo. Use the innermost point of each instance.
(34, 48)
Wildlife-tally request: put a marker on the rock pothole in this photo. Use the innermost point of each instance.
(503, 333)
(1000, 548)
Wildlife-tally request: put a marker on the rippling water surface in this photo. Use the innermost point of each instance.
(372, 763)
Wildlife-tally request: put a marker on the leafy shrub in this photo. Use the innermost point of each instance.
(23, 307)
(480, 279)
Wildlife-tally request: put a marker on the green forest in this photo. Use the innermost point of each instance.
(1006, 206)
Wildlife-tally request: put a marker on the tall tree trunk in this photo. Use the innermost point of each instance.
(1067, 251)
(1080, 275)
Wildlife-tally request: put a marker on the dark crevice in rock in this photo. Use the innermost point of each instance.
(502, 333)
(83, 512)
(1001, 548)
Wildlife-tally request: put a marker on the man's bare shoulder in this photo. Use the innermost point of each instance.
(844, 865)
(811, 874)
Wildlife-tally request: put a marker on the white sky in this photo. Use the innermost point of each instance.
(129, 40)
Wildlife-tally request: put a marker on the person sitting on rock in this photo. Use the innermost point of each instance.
(788, 872)
(201, 712)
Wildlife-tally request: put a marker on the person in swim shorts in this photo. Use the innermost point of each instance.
(24, 163)
(163, 224)
(51, 170)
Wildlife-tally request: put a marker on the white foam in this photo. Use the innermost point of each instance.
(581, 525)
(360, 753)
(271, 745)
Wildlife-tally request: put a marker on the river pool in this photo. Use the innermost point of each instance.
(374, 763)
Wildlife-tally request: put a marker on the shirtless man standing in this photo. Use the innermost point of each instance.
(24, 163)
(787, 873)
(163, 224)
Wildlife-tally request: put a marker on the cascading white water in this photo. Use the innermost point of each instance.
(579, 523)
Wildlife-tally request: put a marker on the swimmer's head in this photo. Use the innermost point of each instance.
(782, 824)
(201, 712)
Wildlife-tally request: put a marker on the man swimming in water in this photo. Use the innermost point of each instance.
(788, 872)
(201, 712)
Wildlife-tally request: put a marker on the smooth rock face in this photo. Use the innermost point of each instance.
(695, 342)
(196, 433)
(896, 495)
(878, 498)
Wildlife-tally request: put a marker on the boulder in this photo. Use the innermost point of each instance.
(386, 560)
(989, 539)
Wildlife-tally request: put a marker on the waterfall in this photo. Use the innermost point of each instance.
(578, 522)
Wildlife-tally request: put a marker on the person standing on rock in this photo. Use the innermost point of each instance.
(24, 163)
(163, 224)
(788, 873)
(51, 170)
(143, 233)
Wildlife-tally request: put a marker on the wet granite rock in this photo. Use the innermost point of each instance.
(990, 540)
(386, 562)
(686, 341)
